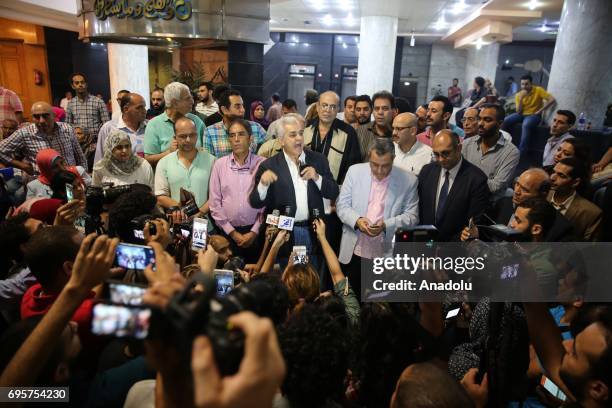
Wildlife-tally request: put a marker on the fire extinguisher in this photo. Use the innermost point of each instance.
(38, 77)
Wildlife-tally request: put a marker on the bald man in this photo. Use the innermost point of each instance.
(44, 133)
(333, 138)
(451, 190)
(410, 154)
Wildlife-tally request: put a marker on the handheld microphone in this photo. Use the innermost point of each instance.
(272, 220)
(286, 221)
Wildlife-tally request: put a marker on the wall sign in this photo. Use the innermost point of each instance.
(151, 9)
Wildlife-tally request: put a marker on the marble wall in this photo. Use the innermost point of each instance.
(481, 62)
(446, 63)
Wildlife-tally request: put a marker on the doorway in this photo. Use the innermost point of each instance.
(408, 89)
(301, 78)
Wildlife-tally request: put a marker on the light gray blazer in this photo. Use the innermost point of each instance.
(401, 205)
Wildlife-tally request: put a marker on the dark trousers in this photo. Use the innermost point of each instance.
(250, 254)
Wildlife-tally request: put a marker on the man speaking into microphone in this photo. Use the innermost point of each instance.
(297, 179)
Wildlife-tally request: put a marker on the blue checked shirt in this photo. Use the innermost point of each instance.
(89, 114)
(28, 141)
(216, 140)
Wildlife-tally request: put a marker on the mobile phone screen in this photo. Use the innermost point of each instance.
(225, 281)
(126, 294)
(120, 321)
(134, 257)
(300, 254)
(552, 388)
(198, 233)
(452, 313)
(69, 194)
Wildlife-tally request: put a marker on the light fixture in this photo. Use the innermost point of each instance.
(295, 39)
(350, 21)
(318, 4)
(544, 28)
(412, 40)
(344, 45)
(356, 40)
(441, 23)
(328, 20)
(339, 38)
(533, 4)
(344, 4)
(306, 45)
(479, 44)
(320, 75)
(459, 7)
(507, 62)
(336, 75)
(168, 39)
(292, 44)
(406, 83)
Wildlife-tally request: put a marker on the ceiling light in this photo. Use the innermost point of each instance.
(336, 75)
(412, 40)
(406, 83)
(460, 6)
(441, 23)
(507, 62)
(318, 4)
(344, 4)
(292, 44)
(344, 45)
(356, 40)
(328, 20)
(339, 38)
(533, 4)
(306, 45)
(543, 28)
(479, 44)
(350, 20)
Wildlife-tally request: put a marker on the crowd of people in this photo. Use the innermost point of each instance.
(295, 330)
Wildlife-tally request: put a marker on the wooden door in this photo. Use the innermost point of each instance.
(13, 71)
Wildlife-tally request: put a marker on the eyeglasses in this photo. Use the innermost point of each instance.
(326, 106)
(468, 119)
(187, 136)
(444, 154)
(41, 115)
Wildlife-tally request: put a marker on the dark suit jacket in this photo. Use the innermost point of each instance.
(468, 197)
(561, 230)
(281, 193)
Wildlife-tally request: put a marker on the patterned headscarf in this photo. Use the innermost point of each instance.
(110, 163)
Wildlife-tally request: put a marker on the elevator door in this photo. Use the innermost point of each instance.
(301, 78)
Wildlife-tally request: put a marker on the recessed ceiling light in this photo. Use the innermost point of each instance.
(344, 45)
(318, 4)
(339, 38)
(533, 4)
(507, 62)
(543, 28)
(441, 23)
(350, 21)
(306, 45)
(479, 44)
(407, 83)
(459, 7)
(328, 20)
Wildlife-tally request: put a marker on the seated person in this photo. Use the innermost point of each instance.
(571, 147)
(568, 182)
(531, 102)
(50, 162)
(120, 165)
(562, 122)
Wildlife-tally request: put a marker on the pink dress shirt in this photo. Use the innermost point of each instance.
(229, 189)
(425, 137)
(372, 247)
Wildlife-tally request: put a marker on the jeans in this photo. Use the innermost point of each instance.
(530, 123)
(16, 191)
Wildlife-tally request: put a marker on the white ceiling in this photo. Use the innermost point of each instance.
(423, 17)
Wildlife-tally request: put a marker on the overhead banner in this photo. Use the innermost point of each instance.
(149, 20)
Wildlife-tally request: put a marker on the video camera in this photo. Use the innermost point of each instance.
(194, 312)
(95, 199)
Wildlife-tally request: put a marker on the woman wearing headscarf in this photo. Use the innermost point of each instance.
(49, 163)
(120, 165)
(258, 114)
(85, 139)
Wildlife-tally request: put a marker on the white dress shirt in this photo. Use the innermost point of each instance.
(451, 179)
(299, 185)
(414, 159)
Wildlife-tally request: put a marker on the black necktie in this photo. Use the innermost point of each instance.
(443, 196)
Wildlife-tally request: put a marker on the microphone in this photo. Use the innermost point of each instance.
(272, 220)
(286, 221)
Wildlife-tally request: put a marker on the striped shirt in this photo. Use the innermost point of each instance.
(89, 114)
(28, 141)
(9, 104)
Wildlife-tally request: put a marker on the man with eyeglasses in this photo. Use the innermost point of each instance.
(333, 138)
(451, 189)
(470, 122)
(185, 168)
(45, 133)
(410, 154)
(231, 177)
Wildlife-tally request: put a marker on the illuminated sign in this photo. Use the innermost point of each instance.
(151, 9)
